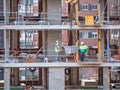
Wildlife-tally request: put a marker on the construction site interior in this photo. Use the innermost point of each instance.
(29, 30)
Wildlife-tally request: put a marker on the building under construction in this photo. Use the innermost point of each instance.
(29, 30)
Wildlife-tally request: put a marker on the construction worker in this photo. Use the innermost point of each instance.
(57, 50)
(83, 50)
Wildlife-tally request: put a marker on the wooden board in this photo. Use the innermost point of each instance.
(89, 63)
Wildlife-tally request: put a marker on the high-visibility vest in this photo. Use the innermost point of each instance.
(57, 48)
(83, 48)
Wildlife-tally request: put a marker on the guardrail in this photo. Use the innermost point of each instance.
(16, 18)
(50, 56)
(68, 54)
(112, 55)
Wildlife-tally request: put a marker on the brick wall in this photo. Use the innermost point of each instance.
(87, 12)
(89, 41)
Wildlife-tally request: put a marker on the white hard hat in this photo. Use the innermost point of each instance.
(82, 43)
(56, 41)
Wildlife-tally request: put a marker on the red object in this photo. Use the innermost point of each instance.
(29, 60)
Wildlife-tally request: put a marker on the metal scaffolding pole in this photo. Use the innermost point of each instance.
(108, 31)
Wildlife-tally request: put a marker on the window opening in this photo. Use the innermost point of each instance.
(84, 34)
(94, 35)
(94, 7)
(28, 7)
(84, 6)
(29, 39)
(26, 74)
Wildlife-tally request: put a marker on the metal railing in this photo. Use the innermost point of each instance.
(113, 17)
(35, 57)
(111, 55)
(50, 56)
(16, 18)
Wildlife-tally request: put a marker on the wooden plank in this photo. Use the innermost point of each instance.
(89, 63)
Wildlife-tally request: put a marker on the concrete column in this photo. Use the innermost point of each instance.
(6, 78)
(52, 36)
(100, 76)
(44, 6)
(6, 10)
(54, 11)
(106, 79)
(14, 39)
(44, 40)
(102, 44)
(56, 79)
(6, 43)
(102, 6)
(44, 77)
(6, 32)
(16, 76)
(74, 76)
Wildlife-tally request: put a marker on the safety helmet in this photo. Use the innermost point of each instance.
(82, 43)
(57, 41)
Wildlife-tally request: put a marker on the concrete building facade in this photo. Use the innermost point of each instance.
(31, 64)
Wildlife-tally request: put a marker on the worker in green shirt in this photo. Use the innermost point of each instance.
(83, 50)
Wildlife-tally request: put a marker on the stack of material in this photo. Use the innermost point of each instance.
(86, 82)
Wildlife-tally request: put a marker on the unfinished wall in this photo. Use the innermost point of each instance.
(54, 11)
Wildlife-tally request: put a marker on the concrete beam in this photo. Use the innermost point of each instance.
(57, 27)
(44, 27)
(54, 64)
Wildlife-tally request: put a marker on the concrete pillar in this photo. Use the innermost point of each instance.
(102, 44)
(44, 6)
(16, 76)
(6, 43)
(106, 79)
(56, 79)
(44, 77)
(14, 39)
(100, 76)
(54, 11)
(6, 32)
(6, 78)
(44, 40)
(52, 36)
(102, 6)
(74, 76)
(6, 10)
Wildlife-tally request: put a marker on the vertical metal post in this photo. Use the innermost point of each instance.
(108, 31)
(108, 10)
(99, 45)
(77, 45)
